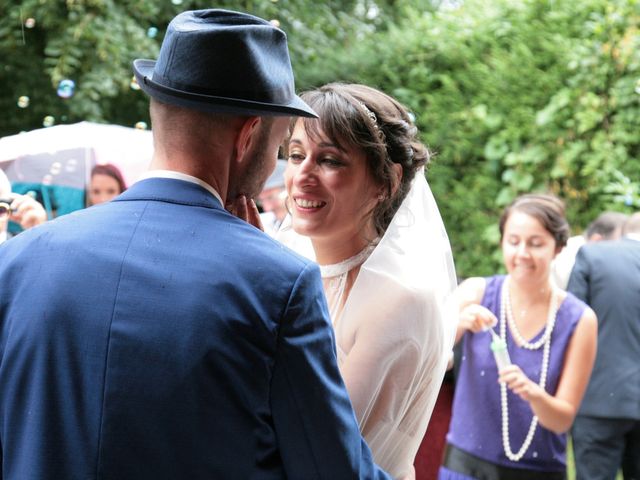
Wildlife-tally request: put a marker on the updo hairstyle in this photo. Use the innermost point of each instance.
(360, 117)
(547, 209)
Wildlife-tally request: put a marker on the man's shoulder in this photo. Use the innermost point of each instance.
(266, 249)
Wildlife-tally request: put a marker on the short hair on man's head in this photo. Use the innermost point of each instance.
(632, 225)
(547, 209)
(183, 127)
(608, 225)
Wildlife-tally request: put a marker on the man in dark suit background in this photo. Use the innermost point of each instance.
(606, 432)
(158, 336)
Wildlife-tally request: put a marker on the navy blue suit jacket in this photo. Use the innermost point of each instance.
(606, 275)
(159, 337)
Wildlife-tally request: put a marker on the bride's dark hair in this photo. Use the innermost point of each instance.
(361, 117)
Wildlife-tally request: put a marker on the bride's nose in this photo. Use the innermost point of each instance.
(305, 172)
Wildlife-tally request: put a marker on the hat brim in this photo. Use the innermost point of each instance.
(143, 70)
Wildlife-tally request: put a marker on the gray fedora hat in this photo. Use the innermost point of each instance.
(225, 62)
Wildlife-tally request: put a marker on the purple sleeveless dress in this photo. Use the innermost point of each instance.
(476, 421)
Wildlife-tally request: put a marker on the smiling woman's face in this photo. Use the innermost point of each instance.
(331, 192)
(527, 247)
(102, 189)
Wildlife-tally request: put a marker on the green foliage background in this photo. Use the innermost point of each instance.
(511, 95)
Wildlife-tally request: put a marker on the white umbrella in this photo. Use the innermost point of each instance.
(130, 149)
(59, 159)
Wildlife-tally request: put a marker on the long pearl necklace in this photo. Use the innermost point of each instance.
(507, 314)
(336, 276)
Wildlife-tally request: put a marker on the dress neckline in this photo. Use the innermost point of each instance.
(340, 268)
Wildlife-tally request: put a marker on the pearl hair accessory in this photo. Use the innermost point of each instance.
(506, 313)
(374, 121)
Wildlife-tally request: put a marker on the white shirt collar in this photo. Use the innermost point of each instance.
(633, 236)
(183, 176)
(3, 236)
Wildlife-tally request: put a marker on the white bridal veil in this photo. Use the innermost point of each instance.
(399, 322)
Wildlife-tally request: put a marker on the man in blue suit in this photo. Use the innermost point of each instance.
(160, 337)
(606, 432)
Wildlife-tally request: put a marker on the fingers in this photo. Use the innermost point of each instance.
(516, 381)
(27, 211)
(253, 215)
(238, 207)
(245, 210)
(477, 318)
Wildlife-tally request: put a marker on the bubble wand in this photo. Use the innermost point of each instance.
(499, 349)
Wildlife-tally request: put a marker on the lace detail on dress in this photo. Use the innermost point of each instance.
(335, 278)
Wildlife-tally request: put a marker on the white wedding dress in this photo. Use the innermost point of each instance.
(396, 330)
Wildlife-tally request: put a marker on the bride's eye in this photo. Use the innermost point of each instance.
(332, 162)
(295, 157)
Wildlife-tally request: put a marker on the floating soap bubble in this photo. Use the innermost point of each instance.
(48, 121)
(134, 83)
(30, 22)
(141, 125)
(23, 101)
(56, 168)
(275, 23)
(66, 88)
(152, 32)
(71, 165)
(176, 2)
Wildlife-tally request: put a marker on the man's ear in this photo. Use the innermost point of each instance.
(245, 135)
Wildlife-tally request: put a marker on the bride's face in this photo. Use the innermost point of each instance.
(331, 192)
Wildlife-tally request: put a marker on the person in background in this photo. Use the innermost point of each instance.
(509, 419)
(105, 184)
(606, 433)
(22, 209)
(357, 192)
(160, 337)
(272, 200)
(607, 226)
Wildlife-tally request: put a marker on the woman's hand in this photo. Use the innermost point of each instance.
(477, 318)
(519, 383)
(27, 212)
(246, 210)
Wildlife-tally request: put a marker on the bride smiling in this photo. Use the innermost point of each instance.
(358, 194)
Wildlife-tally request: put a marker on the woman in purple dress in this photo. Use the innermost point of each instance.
(509, 422)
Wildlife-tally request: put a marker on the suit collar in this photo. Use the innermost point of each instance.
(170, 190)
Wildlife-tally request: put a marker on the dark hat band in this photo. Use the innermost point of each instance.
(278, 95)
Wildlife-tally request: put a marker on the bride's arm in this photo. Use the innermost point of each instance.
(384, 357)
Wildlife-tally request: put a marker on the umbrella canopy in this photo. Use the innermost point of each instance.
(56, 162)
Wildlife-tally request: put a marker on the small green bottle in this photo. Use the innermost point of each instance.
(500, 352)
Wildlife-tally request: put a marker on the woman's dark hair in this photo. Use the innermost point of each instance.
(111, 171)
(361, 117)
(547, 209)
